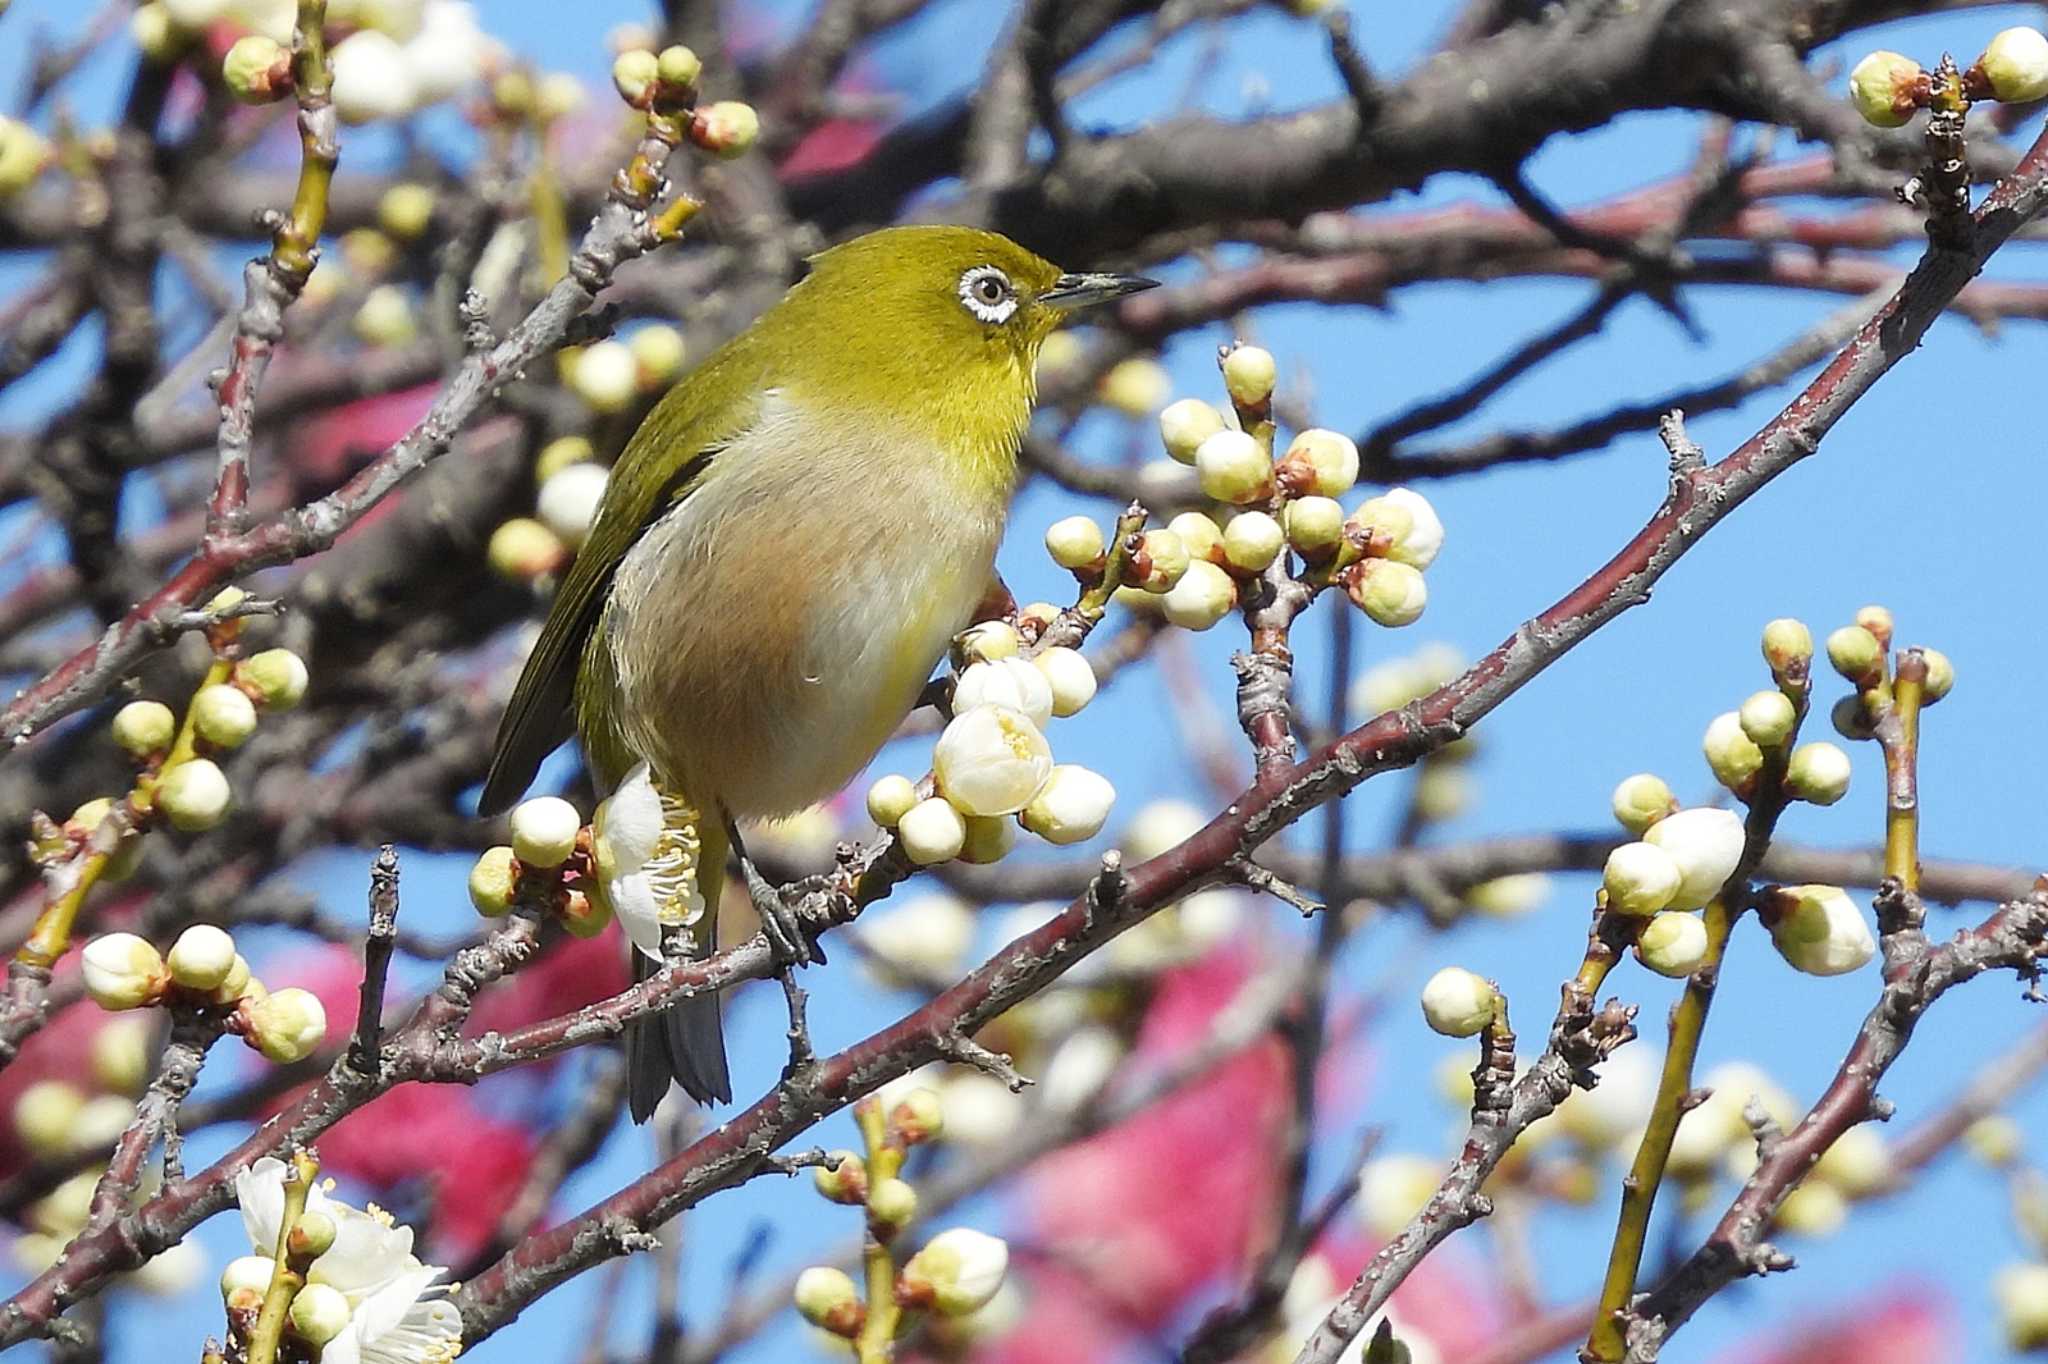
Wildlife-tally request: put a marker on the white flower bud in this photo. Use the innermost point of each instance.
(1941, 676)
(605, 376)
(1135, 387)
(248, 1274)
(1859, 1163)
(1161, 560)
(1079, 1069)
(194, 794)
(1070, 676)
(990, 760)
(23, 153)
(1732, 754)
(2015, 65)
(827, 1299)
(932, 831)
(1510, 896)
(1641, 800)
(1413, 530)
(1707, 844)
(1458, 1003)
(492, 885)
(957, 1272)
(1252, 541)
(1855, 653)
(201, 957)
(2022, 1293)
(890, 799)
(1640, 878)
(223, 715)
(659, 351)
(371, 78)
(1886, 87)
(1249, 374)
(1204, 595)
(277, 676)
(1074, 542)
(1392, 1189)
(1160, 826)
(918, 1116)
(726, 129)
(1200, 533)
(45, 1116)
(286, 1025)
(1606, 1114)
(1392, 593)
(255, 69)
(988, 841)
(145, 728)
(1184, 425)
(921, 938)
(1233, 468)
(122, 971)
(1768, 718)
(319, 1313)
(1813, 1209)
(1319, 462)
(1010, 682)
(633, 71)
(522, 549)
(544, 831)
(1817, 772)
(892, 1202)
(1673, 943)
(980, 1109)
(100, 1121)
(120, 1054)
(1315, 525)
(988, 641)
(1788, 644)
(845, 1181)
(1819, 930)
(1071, 807)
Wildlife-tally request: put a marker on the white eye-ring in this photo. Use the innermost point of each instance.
(987, 292)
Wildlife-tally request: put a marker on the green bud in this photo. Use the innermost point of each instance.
(144, 728)
(1817, 772)
(319, 1313)
(1252, 541)
(1673, 943)
(892, 1202)
(256, 70)
(1857, 654)
(844, 1182)
(277, 676)
(1249, 373)
(223, 716)
(1768, 718)
(890, 799)
(194, 794)
(492, 886)
(1788, 646)
(678, 66)
(1641, 800)
(312, 1235)
(1941, 676)
(827, 1298)
(1886, 88)
(633, 71)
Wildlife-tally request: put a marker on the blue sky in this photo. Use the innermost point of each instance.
(1926, 498)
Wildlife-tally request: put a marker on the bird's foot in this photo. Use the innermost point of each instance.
(781, 922)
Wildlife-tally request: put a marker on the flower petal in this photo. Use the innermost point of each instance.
(260, 1191)
(639, 910)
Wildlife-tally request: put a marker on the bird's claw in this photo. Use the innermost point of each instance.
(781, 924)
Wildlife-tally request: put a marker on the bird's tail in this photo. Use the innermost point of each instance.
(685, 1042)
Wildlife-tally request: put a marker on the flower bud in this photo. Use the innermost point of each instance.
(144, 728)
(1315, 525)
(1161, 559)
(633, 72)
(121, 1054)
(1071, 807)
(1458, 1003)
(988, 641)
(891, 798)
(1074, 542)
(385, 318)
(1252, 541)
(1443, 791)
(319, 1313)
(2015, 66)
(45, 1117)
(1010, 682)
(1201, 535)
(605, 376)
(1732, 754)
(100, 1121)
(1390, 592)
(1249, 374)
(1204, 595)
(123, 971)
(1859, 1163)
(1184, 425)
(1069, 675)
(827, 1299)
(1768, 718)
(544, 831)
(278, 678)
(1641, 800)
(1413, 531)
(1886, 88)
(1508, 897)
(492, 884)
(892, 1202)
(23, 153)
(257, 70)
(726, 129)
(1136, 387)
(2022, 1293)
(679, 66)
(248, 1274)
(1319, 462)
(1941, 676)
(658, 351)
(988, 840)
(201, 958)
(843, 1182)
(918, 1116)
(1707, 844)
(1877, 620)
(1813, 1209)
(1232, 467)
(1855, 653)
(286, 1025)
(1819, 930)
(371, 78)
(1851, 718)
(558, 95)
(990, 760)
(311, 1236)
(406, 210)
(957, 1271)
(932, 831)
(1672, 943)
(1995, 1139)
(1392, 1189)
(1640, 878)
(194, 794)
(1817, 772)
(1788, 646)
(223, 715)
(522, 549)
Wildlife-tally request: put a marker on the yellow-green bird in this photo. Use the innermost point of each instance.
(784, 551)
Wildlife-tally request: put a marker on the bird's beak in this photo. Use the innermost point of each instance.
(1082, 291)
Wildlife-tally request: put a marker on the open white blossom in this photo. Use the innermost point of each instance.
(396, 1315)
(645, 846)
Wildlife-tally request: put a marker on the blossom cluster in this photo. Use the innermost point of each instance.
(204, 971)
(1888, 88)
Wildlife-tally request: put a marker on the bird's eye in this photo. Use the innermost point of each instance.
(986, 292)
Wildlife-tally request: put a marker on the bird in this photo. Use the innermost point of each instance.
(783, 552)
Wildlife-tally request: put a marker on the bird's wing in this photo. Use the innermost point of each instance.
(664, 463)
